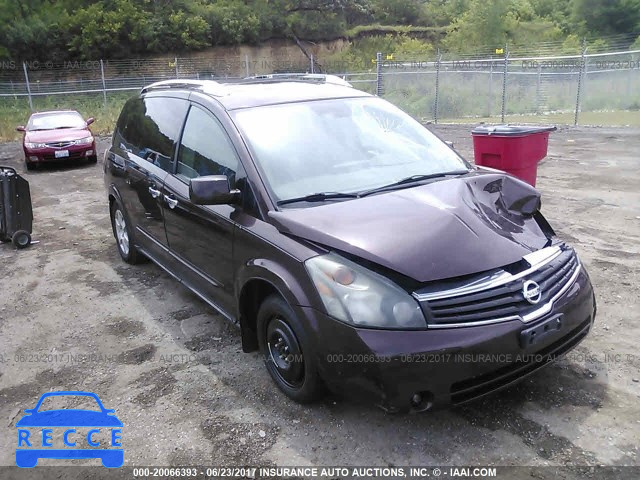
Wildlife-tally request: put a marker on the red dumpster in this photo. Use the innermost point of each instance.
(512, 148)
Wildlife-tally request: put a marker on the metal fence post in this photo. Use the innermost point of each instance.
(104, 85)
(311, 59)
(379, 74)
(435, 104)
(177, 72)
(246, 64)
(583, 63)
(26, 79)
(504, 82)
(538, 87)
(490, 107)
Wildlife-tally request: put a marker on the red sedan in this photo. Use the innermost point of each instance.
(57, 135)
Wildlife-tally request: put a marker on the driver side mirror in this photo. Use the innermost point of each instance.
(212, 190)
(21, 129)
(90, 120)
(449, 143)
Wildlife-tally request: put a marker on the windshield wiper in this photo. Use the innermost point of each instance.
(409, 180)
(318, 197)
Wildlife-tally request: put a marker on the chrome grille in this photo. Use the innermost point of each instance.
(60, 144)
(499, 297)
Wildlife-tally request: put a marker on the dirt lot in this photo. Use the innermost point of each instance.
(187, 395)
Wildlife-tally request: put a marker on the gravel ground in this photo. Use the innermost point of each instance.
(187, 395)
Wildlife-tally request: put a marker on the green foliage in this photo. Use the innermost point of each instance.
(490, 25)
(316, 25)
(443, 12)
(232, 23)
(90, 29)
(606, 17)
(360, 54)
(404, 12)
(188, 31)
(101, 32)
(558, 12)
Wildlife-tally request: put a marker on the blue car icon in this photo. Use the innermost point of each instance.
(105, 418)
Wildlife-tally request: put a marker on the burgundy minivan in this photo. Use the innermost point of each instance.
(355, 249)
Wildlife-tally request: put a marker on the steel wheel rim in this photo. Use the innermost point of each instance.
(121, 232)
(285, 353)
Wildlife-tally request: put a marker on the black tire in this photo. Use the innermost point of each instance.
(293, 372)
(31, 166)
(21, 239)
(120, 220)
(92, 159)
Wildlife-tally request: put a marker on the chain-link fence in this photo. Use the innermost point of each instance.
(510, 87)
(438, 88)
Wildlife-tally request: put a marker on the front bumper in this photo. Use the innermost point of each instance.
(444, 366)
(75, 152)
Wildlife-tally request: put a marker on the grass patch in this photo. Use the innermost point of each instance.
(15, 111)
(613, 118)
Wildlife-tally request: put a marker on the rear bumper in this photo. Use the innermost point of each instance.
(445, 366)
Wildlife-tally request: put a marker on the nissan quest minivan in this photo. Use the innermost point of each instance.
(354, 249)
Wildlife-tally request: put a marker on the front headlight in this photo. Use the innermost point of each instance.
(84, 141)
(35, 145)
(360, 297)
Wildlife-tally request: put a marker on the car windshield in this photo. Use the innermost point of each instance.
(342, 145)
(67, 402)
(56, 120)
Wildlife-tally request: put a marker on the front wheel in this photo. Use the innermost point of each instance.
(286, 352)
(122, 233)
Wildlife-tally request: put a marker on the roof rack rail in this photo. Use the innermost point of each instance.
(308, 77)
(179, 83)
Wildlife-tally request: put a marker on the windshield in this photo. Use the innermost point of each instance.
(56, 120)
(343, 145)
(66, 402)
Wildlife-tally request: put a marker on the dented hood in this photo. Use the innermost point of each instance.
(440, 230)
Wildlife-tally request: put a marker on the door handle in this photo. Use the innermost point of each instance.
(154, 193)
(171, 202)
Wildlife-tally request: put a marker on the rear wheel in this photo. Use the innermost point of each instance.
(122, 233)
(286, 351)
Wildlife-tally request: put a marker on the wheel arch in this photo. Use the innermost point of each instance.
(113, 194)
(260, 279)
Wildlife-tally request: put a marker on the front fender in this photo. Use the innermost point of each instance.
(290, 284)
(112, 190)
(290, 281)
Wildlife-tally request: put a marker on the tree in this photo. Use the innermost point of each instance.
(397, 12)
(489, 25)
(597, 17)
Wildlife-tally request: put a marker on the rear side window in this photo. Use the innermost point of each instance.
(150, 128)
(205, 148)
